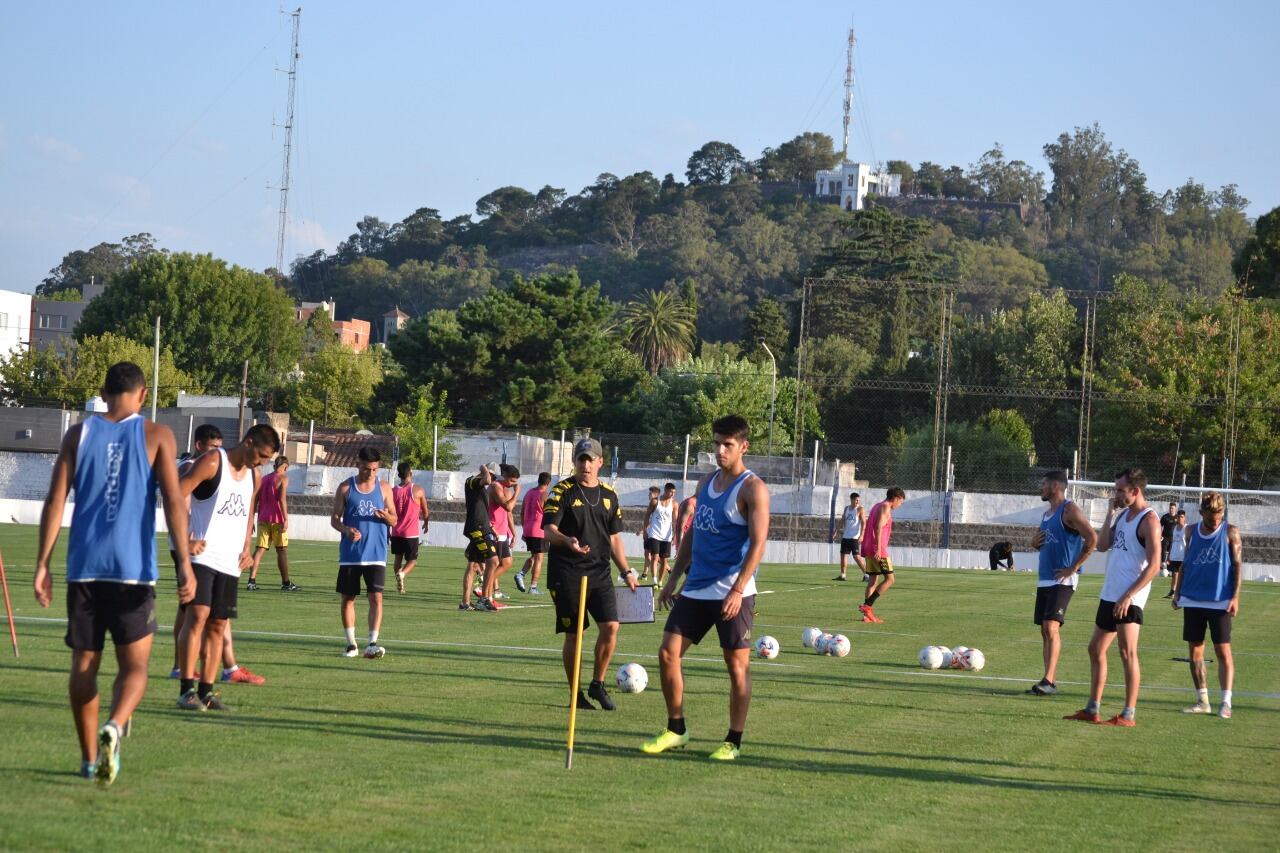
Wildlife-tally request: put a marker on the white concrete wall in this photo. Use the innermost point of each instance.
(15, 331)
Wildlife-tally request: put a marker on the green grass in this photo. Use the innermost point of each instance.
(456, 738)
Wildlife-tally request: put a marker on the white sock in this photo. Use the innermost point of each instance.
(351, 635)
(373, 638)
(227, 670)
(1202, 696)
(1226, 697)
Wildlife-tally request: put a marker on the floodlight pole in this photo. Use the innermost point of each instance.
(155, 374)
(773, 392)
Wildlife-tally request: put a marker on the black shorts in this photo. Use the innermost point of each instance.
(602, 605)
(537, 544)
(850, 546)
(349, 578)
(215, 590)
(1107, 621)
(1175, 566)
(405, 546)
(1051, 603)
(661, 547)
(502, 549)
(1196, 619)
(128, 611)
(693, 618)
(480, 546)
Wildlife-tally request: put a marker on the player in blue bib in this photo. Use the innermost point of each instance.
(1208, 591)
(1065, 540)
(363, 512)
(721, 554)
(113, 462)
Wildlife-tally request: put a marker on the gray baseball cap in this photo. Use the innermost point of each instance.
(589, 447)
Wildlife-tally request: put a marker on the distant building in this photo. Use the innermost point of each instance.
(392, 323)
(15, 321)
(303, 311)
(53, 322)
(353, 333)
(851, 183)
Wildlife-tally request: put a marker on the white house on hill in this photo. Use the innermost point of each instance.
(853, 182)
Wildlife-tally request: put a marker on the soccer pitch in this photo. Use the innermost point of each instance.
(455, 740)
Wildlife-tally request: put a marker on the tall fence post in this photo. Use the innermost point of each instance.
(191, 431)
(831, 523)
(946, 503)
(435, 445)
(684, 475)
(560, 454)
(1075, 470)
(311, 443)
(815, 461)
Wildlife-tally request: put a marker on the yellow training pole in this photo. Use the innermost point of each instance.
(577, 671)
(8, 609)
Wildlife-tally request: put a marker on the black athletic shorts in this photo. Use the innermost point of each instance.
(480, 546)
(693, 618)
(1051, 603)
(1196, 619)
(850, 546)
(1175, 566)
(216, 590)
(502, 549)
(128, 611)
(405, 546)
(537, 544)
(349, 578)
(602, 605)
(1107, 621)
(661, 547)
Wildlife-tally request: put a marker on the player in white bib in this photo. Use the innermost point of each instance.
(853, 523)
(659, 530)
(1131, 538)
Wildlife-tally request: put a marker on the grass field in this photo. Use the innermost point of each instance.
(456, 738)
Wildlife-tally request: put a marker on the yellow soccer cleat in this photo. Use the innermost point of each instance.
(725, 752)
(664, 741)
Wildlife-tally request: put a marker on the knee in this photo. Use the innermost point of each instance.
(1128, 654)
(668, 656)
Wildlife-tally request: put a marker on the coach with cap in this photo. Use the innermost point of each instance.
(582, 521)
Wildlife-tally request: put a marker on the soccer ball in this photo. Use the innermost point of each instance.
(838, 646)
(767, 647)
(930, 657)
(946, 657)
(820, 644)
(810, 636)
(957, 657)
(974, 660)
(632, 678)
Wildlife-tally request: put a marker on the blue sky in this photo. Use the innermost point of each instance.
(130, 116)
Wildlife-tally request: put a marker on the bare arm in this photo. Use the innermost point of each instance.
(55, 503)
(619, 555)
(339, 509)
(387, 515)
(282, 492)
(1073, 517)
(648, 513)
(424, 511)
(753, 503)
(1151, 532)
(246, 553)
(175, 508)
(1237, 566)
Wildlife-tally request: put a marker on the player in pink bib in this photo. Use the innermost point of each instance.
(412, 518)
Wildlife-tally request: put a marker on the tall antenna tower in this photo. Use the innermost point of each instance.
(288, 144)
(848, 91)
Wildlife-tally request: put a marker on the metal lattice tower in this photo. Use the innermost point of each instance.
(848, 92)
(288, 144)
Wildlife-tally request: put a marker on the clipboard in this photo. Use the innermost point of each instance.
(635, 606)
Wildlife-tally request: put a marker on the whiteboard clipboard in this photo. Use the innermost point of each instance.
(634, 606)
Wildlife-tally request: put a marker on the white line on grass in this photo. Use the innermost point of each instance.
(245, 633)
(928, 674)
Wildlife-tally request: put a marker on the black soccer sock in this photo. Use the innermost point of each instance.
(595, 683)
(871, 599)
(204, 689)
(186, 684)
(675, 725)
(734, 738)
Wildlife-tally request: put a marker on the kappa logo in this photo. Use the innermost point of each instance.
(704, 518)
(233, 506)
(1121, 543)
(366, 509)
(1207, 557)
(578, 502)
(115, 458)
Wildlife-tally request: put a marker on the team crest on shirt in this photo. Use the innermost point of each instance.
(233, 506)
(365, 509)
(608, 504)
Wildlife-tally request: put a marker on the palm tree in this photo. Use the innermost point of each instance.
(660, 329)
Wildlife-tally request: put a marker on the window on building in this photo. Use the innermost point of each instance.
(4, 320)
(53, 321)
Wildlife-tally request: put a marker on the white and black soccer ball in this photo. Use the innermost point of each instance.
(946, 657)
(957, 657)
(820, 644)
(974, 660)
(930, 657)
(810, 636)
(632, 678)
(767, 647)
(839, 646)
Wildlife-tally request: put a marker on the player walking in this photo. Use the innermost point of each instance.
(412, 518)
(223, 485)
(273, 524)
(853, 521)
(1177, 550)
(481, 554)
(1065, 540)
(659, 530)
(502, 500)
(363, 510)
(583, 524)
(113, 461)
(534, 538)
(1208, 591)
(1131, 538)
(875, 550)
(684, 519)
(721, 556)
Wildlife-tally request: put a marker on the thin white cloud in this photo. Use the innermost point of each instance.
(303, 238)
(56, 149)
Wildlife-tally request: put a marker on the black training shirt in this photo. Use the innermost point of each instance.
(592, 515)
(477, 500)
